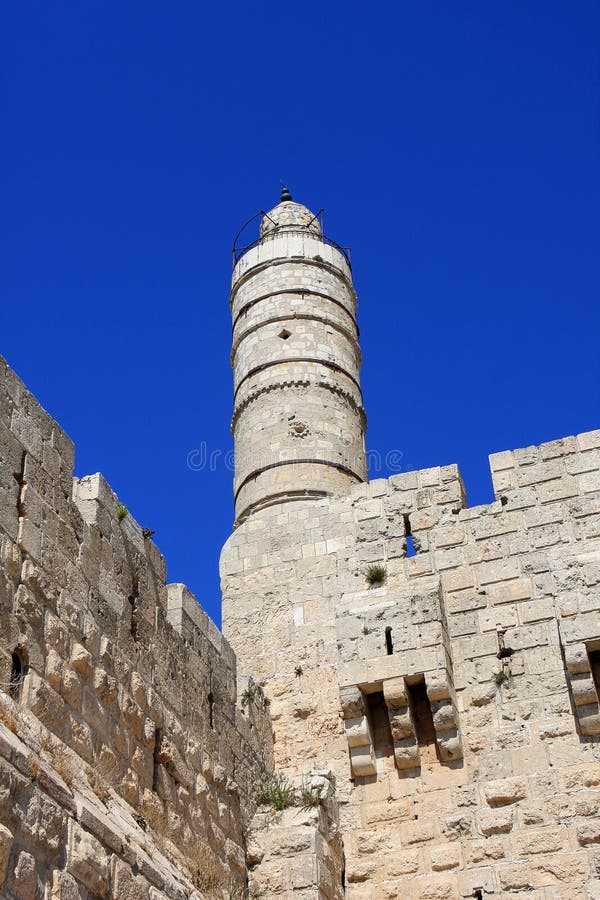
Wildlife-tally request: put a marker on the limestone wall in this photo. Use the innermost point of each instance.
(448, 697)
(297, 851)
(127, 766)
(464, 740)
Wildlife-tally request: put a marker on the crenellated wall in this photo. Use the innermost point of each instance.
(456, 699)
(436, 667)
(128, 767)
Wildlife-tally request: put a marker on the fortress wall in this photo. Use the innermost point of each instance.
(125, 743)
(466, 760)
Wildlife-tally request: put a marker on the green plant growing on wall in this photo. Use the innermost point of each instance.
(309, 796)
(276, 792)
(254, 694)
(375, 575)
(501, 677)
(122, 512)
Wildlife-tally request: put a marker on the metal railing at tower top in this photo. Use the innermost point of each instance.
(239, 251)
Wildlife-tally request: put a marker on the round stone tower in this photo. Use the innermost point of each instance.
(298, 420)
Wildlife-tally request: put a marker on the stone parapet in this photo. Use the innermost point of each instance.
(121, 675)
(454, 690)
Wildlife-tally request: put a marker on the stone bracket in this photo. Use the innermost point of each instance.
(442, 698)
(583, 688)
(358, 731)
(406, 747)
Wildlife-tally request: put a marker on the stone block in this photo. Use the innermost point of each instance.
(6, 842)
(404, 862)
(352, 700)
(87, 860)
(127, 885)
(501, 570)
(588, 833)
(23, 881)
(588, 440)
(357, 731)
(501, 461)
(362, 761)
(540, 840)
(446, 857)
(417, 832)
(495, 821)
(65, 887)
(81, 660)
(505, 791)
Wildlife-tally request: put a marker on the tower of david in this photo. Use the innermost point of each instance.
(403, 701)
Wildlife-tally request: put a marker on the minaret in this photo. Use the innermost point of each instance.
(298, 419)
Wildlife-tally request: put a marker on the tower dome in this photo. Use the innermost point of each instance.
(289, 215)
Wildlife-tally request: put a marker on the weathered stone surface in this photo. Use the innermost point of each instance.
(22, 881)
(6, 842)
(434, 666)
(87, 860)
(94, 704)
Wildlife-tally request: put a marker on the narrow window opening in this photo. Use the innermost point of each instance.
(594, 658)
(383, 743)
(284, 334)
(17, 675)
(504, 652)
(134, 604)
(156, 759)
(211, 706)
(410, 546)
(478, 894)
(389, 644)
(20, 479)
(422, 717)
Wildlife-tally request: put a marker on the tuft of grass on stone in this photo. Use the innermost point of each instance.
(34, 767)
(8, 717)
(122, 512)
(205, 870)
(276, 792)
(66, 768)
(309, 796)
(375, 575)
(102, 777)
(501, 677)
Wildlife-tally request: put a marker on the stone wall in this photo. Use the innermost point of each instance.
(437, 666)
(456, 697)
(297, 851)
(127, 765)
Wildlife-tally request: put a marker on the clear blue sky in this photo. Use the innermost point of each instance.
(454, 146)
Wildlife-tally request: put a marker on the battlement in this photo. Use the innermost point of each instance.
(437, 664)
(109, 670)
(445, 661)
